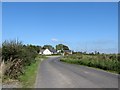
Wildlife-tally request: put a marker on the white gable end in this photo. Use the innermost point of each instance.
(47, 52)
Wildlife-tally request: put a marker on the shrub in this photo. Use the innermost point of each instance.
(17, 56)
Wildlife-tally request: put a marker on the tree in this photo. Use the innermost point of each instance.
(36, 48)
(62, 47)
(97, 52)
(65, 47)
(48, 47)
(11, 49)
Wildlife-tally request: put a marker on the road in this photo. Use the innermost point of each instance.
(55, 74)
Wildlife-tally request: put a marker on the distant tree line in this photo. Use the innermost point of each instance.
(57, 47)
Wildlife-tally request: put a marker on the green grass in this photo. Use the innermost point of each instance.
(96, 61)
(28, 79)
(83, 64)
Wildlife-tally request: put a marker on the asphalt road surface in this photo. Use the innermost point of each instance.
(55, 74)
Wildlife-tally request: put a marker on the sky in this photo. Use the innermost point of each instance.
(83, 26)
(60, 0)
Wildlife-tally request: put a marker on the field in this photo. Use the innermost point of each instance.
(108, 62)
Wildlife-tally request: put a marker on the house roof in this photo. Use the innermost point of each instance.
(67, 50)
(53, 50)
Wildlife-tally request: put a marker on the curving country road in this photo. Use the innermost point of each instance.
(55, 74)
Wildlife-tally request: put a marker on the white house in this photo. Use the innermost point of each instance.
(47, 52)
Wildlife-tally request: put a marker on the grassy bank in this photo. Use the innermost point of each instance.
(105, 62)
(28, 78)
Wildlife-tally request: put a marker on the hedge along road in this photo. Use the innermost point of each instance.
(55, 74)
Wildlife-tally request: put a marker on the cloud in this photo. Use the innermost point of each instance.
(54, 40)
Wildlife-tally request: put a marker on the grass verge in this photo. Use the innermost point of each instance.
(28, 79)
(90, 63)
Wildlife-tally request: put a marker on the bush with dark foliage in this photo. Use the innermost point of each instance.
(17, 56)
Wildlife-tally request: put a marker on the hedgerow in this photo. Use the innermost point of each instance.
(16, 57)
